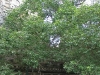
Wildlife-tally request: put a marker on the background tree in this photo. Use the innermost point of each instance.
(25, 36)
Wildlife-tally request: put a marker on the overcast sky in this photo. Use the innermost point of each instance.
(15, 2)
(87, 2)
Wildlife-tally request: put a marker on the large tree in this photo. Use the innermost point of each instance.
(25, 36)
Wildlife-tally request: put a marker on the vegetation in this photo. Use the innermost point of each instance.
(24, 37)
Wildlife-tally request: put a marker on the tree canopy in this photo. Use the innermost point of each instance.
(25, 37)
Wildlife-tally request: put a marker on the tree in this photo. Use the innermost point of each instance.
(85, 41)
(26, 41)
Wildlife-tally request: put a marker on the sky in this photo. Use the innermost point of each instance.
(88, 2)
(15, 2)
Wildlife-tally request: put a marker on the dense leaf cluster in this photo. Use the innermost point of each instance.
(24, 38)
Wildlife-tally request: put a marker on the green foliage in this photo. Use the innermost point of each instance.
(25, 38)
(5, 70)
(84, 42)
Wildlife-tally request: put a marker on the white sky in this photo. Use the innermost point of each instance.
(87, 2)
(15, 2)
(90, 2)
